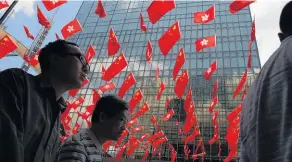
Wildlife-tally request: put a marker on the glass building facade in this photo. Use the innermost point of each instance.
(233, 33)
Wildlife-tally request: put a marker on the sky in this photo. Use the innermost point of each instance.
(266, 12)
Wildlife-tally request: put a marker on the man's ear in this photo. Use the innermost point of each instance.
(102, 117)
(281, 36)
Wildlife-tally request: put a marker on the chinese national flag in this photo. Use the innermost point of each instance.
(142, 23)
(238, 5)
(188, 100)
(240, 84)
(208, 72)
(252, 33)
(249, 59)
(57, 36)
(100, 10)
(27, 32)
(157, 73)
(180, 60)
(205, 16)
(52, 4)
(77, 102)
(73, 92)
(3, 4)
(43, 20)
(160, 90)
(127, 84)
(102, 70)
(113, 44)
(169, 38)
(71, 28)
(205, 42)
(135, 100)
(6, 46)
(109, 86)
(76, 128)
(181, 84)
(148, 52)
(168, 115)
(35, 59)
(158, 8)
(89, 53)
(116, 67)
(142, 110)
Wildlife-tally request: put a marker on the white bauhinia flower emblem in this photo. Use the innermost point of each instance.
(204, 42)
(209, 70)
(106, 86)
(87, 113)
(77, 102)
(70, 29)
(54, 1)
(205, 17)
(3, 2)
(36, 57)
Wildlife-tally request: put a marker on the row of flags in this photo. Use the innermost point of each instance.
(190, 130)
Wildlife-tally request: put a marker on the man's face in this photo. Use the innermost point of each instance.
(69, 68)
(116, 125)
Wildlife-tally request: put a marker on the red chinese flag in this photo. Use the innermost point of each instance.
(153, 120)
(127, 84)
(43, 20)
(181, 84)
(6, 46)
(190, 121)
(208, 72)
(142, 23)
(180, 60)
(100, 10)
(249, 59)
(205, 16)
(57, 36)
(206, 42)
(115, 68)
(213, 104)
(238, 5)
(113, 44)
(169, 38)
(35, 59)
(27, 32)
(106, 145)
(167, 102)
(3, 4)
(252, 33)
(168, 115)
(89, 53)
(215, 87)
(137, 129)
(75, 104)
(240, 84)
(188, 100)
(158, 8)
(76, 128)
(145, 108)
(71, 28)
(73, 92)
(160, 90)
(52, 4)
(157, 73)
(137, 97)
(148, 52)
(102, 70)
(107, 87)
(132, 122)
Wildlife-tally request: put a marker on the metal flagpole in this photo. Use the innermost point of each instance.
(6, 13)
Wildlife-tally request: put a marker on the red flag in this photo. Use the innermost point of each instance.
(113, 44)
(43, 20)
(188, 100)
(160, 90)
(158, 9)
(100, 10)
(238, 5)
(102, 70)
(35, 59)
(180, 60)
(169, 38)
(89, 53)
(205, 42)
(252, 33)
(75, 104)
(145, 108)
(168, 115)
(6, 46)
(106, 145)
(137, 97)
(181, 84)
(73, 92)
(127, 84)
(208, 72)
(142, 23)
(96, 96)
(167, 102)
(71, 28)
(240, 84)
(3, 4)
(205, 16)
(132, 122)
(27, 32)
(52, 4)
(76, 128)
(213, 104)
(137, 129)
(157, 73)
(57, 36)
(109, 86)
(148, 52)
(215, 87)
(249, 59)
(116, 67)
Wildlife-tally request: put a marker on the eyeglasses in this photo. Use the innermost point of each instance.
(81, 58)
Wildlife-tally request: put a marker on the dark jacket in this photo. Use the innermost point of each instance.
(29, 118)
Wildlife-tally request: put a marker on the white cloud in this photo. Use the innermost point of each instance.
(27, 7)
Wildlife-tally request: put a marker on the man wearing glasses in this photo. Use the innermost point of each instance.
(30, 106)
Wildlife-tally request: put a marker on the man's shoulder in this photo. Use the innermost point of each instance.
(13, 74)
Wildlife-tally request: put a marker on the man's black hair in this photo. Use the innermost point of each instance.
(285, 19)
(110, 105)
(55, 47)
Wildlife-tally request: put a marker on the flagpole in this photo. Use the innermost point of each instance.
(6, 13)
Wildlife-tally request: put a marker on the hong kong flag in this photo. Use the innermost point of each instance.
(252, 33)
(160, 90)
(3, 4)
(100, 10)
(205, 16)
(142, 110)
(35, 59)
(89, 53)
(240, 84)
(181, 84)
(127, 84)
(205, 42)
(71, 28)
(107, 87)
(208, 72)
(113, 44)
(158, 8)
(180, 60)
(148, 52)
(142, 23)
(73, 92)
(43, 20)
(52, 4)
(238, 5)
(169, 38)
(137, 97)
(6, 46)
(115, 68)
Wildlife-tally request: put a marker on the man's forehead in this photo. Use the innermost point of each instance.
(70, 48)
